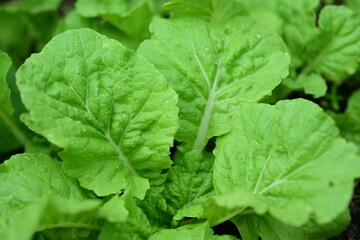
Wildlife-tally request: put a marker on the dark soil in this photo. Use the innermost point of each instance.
(353, 231)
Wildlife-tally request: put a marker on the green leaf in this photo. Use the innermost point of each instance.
(349, 122)
(11, 136)
(334, 53)
(312, 84)
(214, 67)
(31, 6)
(188, 180)
(218, 208)
(101, 103)
(114, 210)
(6, 106)
(136, 226)
(56, 217)
(39, 175)
(211, 10)
(253, 227)
(189, 232)
(132, 17)
(353, 4)
(297, 170)
(26, 182)
(74, 21)
(155, 208)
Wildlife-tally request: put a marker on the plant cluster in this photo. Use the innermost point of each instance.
(155, 119)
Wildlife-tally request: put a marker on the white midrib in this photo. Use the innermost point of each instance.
(205, 121)
(122, 156)
(17, 132)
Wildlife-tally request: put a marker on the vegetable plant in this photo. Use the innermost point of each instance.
(157, 120)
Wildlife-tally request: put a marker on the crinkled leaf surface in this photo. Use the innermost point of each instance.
(253, 227)
(189, 179)
(213, 67)
(155, 207)
(298, 170)
(334, 51)
(107, 107)
(212, 10)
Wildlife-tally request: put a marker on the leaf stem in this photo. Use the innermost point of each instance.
(18, 133)
(205, 121)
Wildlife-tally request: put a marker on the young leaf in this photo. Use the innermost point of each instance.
(297, 170)
(189, 180)
(107, 107)
(214, 67)
(132, 17)
(333, 53)
(136, 226)
(74, 21)
(349, 122)
(211, 10)
(155, 208)
(189, 232)
(312, 84)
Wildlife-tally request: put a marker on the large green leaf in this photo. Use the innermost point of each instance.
(107, 107)
(253, 227)
(214, 67)
(291, 158)
(212, 10)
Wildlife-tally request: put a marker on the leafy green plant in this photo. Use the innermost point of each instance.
(151, 124)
